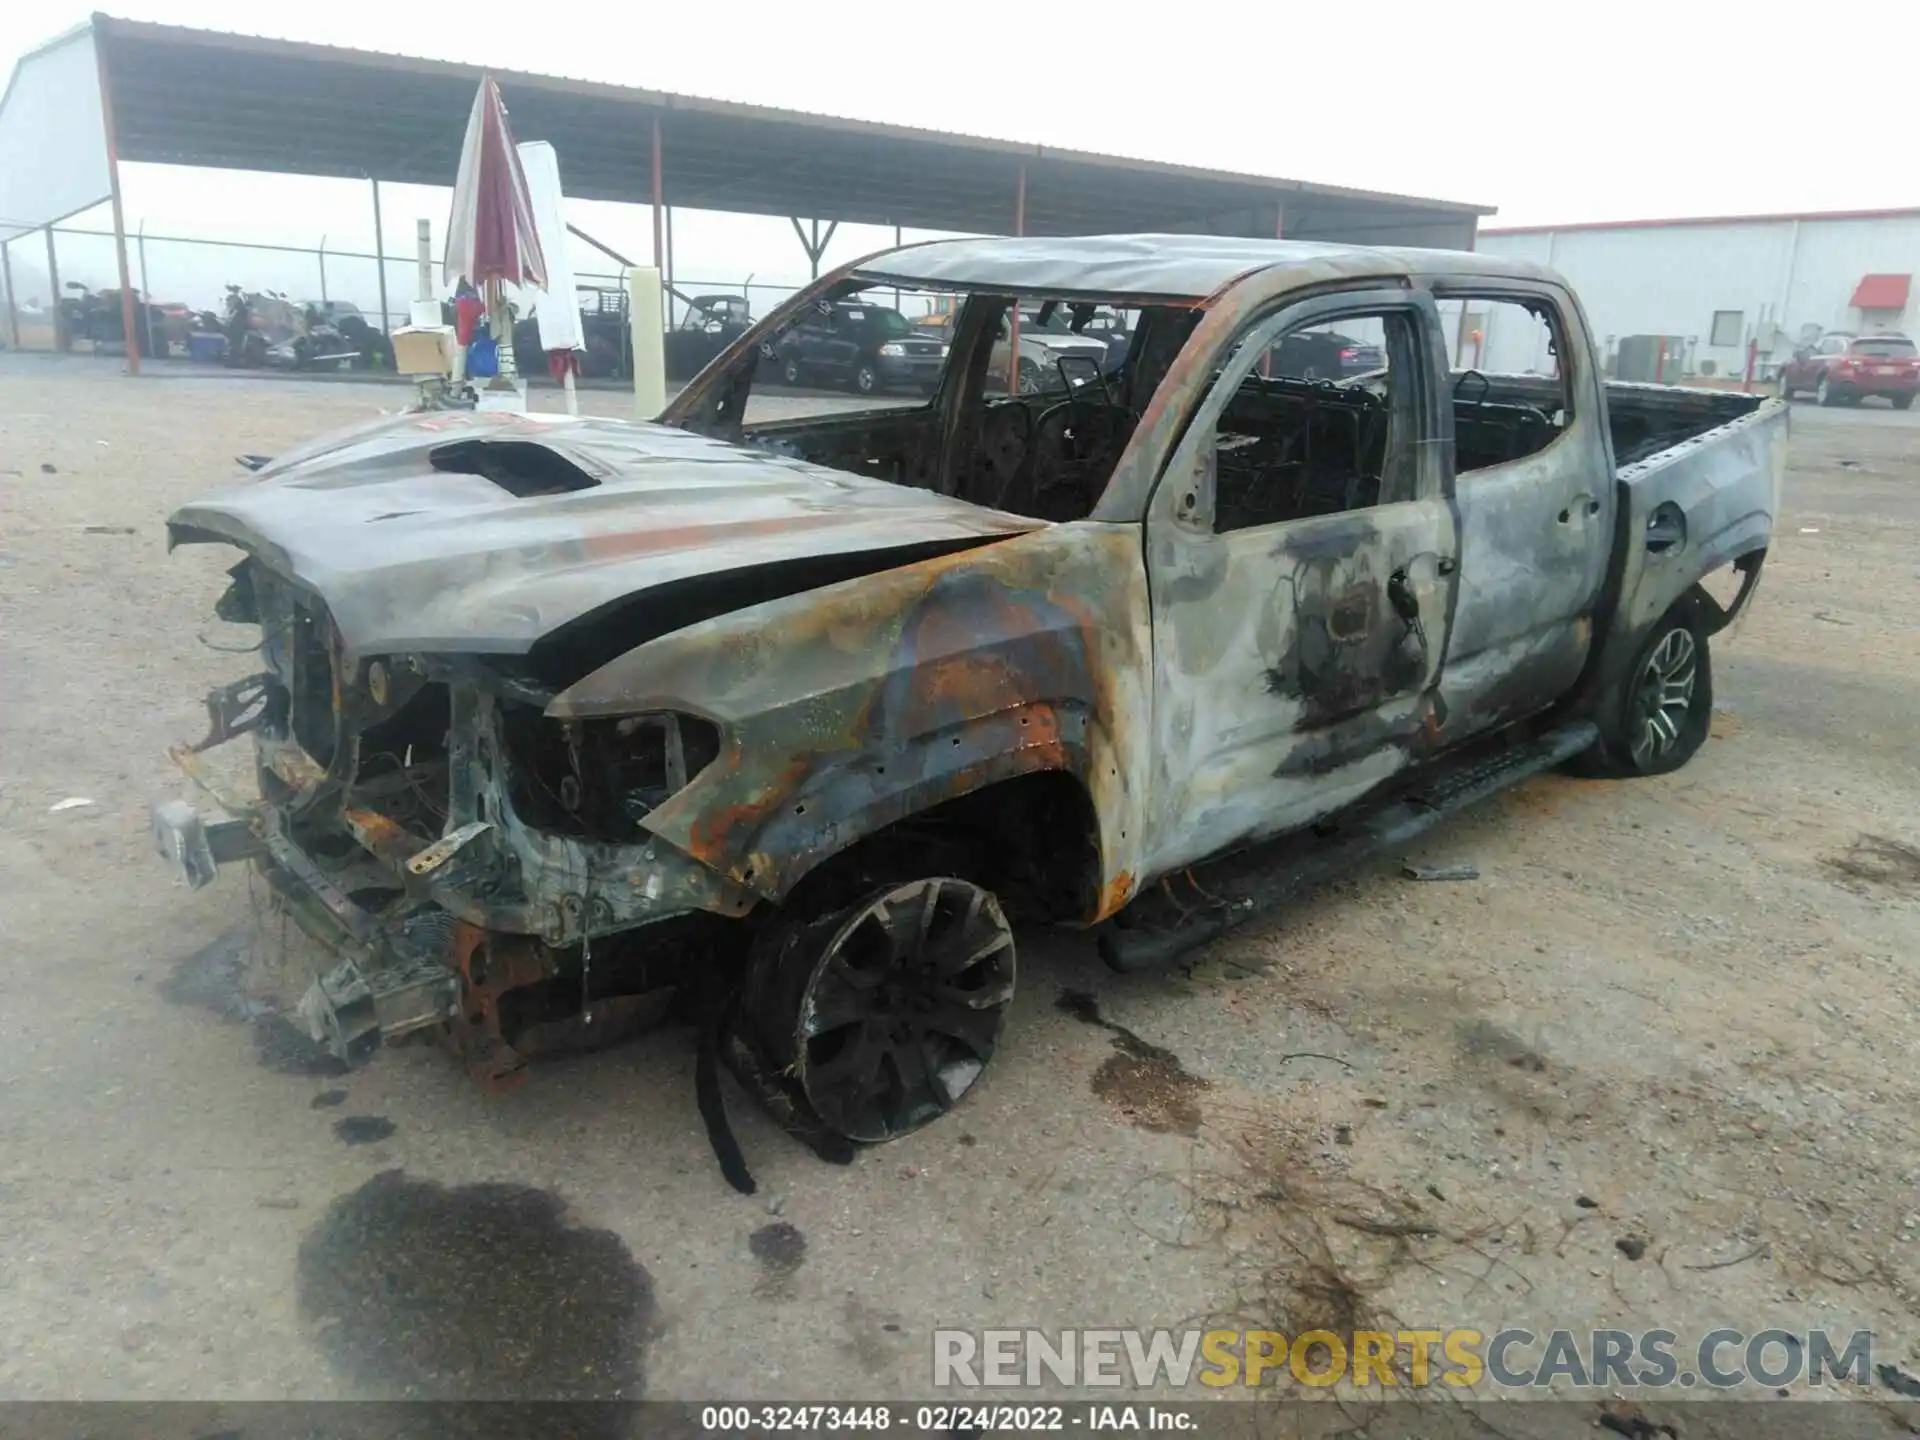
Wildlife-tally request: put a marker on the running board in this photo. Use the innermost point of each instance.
(1204, 903)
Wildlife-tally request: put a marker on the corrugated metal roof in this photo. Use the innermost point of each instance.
(198, 97)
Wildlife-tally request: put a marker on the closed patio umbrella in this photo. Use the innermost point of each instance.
(491, 235)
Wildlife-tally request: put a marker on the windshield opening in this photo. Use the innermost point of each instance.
(1020, 403)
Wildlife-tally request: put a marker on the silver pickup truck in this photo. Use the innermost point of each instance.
(791, 716)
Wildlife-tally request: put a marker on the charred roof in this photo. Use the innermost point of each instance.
(1163, 266)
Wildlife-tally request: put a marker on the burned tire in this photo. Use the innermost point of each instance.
(1665, 705)
(880, 1016)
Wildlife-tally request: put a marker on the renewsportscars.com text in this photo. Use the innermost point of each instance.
(1509, 1359)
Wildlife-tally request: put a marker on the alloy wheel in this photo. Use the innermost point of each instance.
(1664, 696)
(904, 1007)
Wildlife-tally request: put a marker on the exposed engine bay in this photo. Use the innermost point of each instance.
(478, 864)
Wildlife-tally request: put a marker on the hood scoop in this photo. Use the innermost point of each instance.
(523, 468)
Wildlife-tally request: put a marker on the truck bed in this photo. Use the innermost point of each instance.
(1646, 419)
(1643, 420)
(1712, 464)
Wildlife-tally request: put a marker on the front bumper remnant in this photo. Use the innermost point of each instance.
(350, 1012)
(196, 845)
(360, 1002)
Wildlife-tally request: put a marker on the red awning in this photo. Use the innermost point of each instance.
(1881, 292)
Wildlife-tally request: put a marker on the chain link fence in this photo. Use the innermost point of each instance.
(184, 280)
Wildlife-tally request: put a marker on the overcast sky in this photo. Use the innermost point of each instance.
(1552, 112)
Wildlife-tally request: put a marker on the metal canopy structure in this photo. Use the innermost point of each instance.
(176, 96)
(194, 97)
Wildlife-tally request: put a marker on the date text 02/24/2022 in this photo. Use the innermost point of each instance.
(944, 1419)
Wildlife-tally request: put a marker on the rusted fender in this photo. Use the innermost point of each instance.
(855, 705)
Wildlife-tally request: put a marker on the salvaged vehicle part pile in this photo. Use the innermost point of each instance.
(786, 725)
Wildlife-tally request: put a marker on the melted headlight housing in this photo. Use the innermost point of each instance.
(598, 779)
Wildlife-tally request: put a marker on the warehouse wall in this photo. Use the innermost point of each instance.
(1670, 279)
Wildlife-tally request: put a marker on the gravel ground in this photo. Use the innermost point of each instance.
(1654, 1068)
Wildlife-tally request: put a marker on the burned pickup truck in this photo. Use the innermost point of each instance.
(797, 716)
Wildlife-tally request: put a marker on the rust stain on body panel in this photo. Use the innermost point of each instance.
(864, 702)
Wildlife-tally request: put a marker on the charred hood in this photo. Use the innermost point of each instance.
(516, 534)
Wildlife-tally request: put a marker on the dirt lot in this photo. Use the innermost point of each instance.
(1655, 1067)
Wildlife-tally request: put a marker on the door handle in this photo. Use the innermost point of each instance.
(1400, 595)
(1582, 505)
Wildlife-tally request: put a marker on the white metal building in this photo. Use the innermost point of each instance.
(1716, 284)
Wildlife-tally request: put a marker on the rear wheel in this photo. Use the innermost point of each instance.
(1662, 712)
(882, 1015)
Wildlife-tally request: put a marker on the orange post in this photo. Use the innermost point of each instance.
(119, 218)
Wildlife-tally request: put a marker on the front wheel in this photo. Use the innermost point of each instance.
(1901, 402)
(790, 372)
(866, 380)
(1823, 392)
(880, 1017)
(1786, 388)
(1665, 706)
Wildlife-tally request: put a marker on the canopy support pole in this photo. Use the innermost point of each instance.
(61, 339)
(6, 277)
(423, 263)
(1013, 312)
(132, 337)
(659, 203)
(816, 245)
(379, 257)
(606, 250)
(146, 291)
(1279, 233)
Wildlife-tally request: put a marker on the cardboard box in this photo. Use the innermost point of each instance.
(423, 350)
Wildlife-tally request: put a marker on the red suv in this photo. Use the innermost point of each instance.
(1844, 369)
